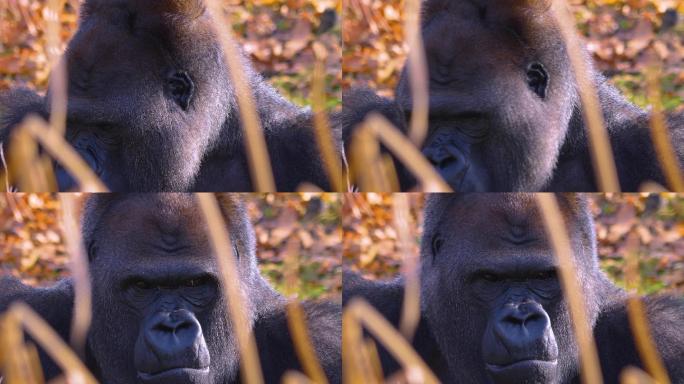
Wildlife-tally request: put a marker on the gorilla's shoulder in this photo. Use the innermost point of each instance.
(275, 344)
(54, 304)
(360, 102)
(60, 294)
(385, 296)
(615, 340)
(15, 105)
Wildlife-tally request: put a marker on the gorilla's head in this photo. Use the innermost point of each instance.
(501, 92)
(491, 295)
(159, 312)
(148, 92)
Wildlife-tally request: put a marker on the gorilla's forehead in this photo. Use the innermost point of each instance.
(472, 209)
(159, 226)
(519, 7)
(506, 226)
(498, 214)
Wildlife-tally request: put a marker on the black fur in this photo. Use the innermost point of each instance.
(166, 242)
(504, 233)
(151, 106)
(505, 113)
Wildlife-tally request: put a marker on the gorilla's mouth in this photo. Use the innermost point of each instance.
(175, 375)
(523, 371)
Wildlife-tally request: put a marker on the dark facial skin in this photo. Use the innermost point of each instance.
(157, 276)
(499, 96)
(502, 294)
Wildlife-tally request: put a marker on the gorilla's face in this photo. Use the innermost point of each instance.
(500, 93)
(148, 92)
(159, 315)
(491, 294)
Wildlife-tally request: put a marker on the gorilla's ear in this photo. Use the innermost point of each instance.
(15, 105)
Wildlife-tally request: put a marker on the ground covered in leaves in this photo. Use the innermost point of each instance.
(651, 227)
(298, 240)
(623, 36)
(280, 36)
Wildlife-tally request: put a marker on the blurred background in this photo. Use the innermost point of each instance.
(279, 35)
(622, 36)
(298, 240)
(651, 225)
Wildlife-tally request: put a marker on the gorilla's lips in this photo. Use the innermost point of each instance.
(523, 371)
(175, 375)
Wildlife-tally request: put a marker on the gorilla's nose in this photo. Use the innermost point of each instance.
(451, 156)
(449, 161)
(171, 340)
(170, 333)
(522, 324)
(519, 331)
(528, 316)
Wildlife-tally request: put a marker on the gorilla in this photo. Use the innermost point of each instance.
(492, 308)
(151, 106)
(159, 314)
(504, 109)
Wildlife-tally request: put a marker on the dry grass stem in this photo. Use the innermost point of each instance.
(324, 138)
(365, 162)
(358, 311)
(58, 72)
(356, 361)
(50, 341)
(293, 377)
(64, 153)
(633, 375)
(660, 135)
(637, 314)
(5, 169)
(15, 364)
(410, 310)
(601, 151)
(257, 153)
(418, 73)
(406, 152)
(25, 162)
(251, 368)
(296, 321)
(558, 236)
(80, 322)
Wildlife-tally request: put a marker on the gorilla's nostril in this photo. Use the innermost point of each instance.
(516, 320)
(521, 317)
(161, 327)
(446, 162)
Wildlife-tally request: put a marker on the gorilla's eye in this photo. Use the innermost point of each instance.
(192, 283)
(488, 276)
(545, 275)
(437, 242)
(141, 284)
(538, 79)
(92, 251)
(482, 11)
(181, 88)
(131, 20)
